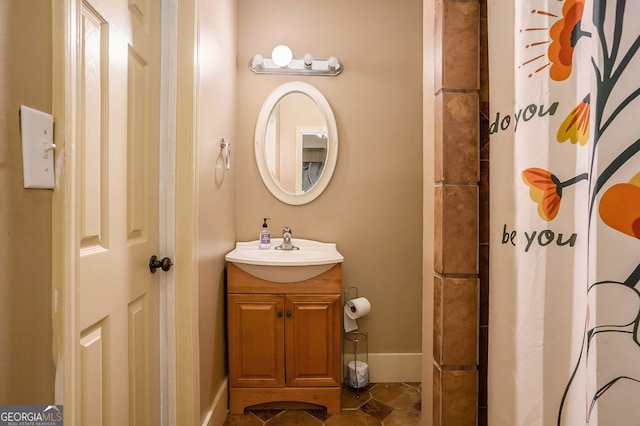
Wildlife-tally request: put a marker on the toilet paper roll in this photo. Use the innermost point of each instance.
(354, 309)
(358, 374)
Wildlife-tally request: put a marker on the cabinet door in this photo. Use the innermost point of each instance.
(256, 340)
(312, 334)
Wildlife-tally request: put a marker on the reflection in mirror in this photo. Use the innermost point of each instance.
(314, 154)
(290, 149)
(296, 143)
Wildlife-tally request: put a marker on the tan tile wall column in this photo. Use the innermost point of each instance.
(456, 284)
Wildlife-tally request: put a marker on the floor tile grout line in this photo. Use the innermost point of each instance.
(399, 387)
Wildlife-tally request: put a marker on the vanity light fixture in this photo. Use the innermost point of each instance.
(283, 62)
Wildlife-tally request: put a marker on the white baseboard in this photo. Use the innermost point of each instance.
(392, 368)
(219, 407)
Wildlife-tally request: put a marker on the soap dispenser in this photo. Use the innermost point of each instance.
(265, 235)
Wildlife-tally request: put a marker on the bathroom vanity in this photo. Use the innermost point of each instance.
(284, 329)
(284, 340)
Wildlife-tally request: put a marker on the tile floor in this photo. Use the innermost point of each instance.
(387, 404)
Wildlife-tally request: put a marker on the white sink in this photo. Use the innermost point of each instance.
(312, 259)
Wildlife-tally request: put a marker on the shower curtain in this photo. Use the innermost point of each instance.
(564, 306)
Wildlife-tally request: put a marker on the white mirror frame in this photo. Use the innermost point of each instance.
(260, 139)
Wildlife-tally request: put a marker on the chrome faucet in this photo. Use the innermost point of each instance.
(286, 240)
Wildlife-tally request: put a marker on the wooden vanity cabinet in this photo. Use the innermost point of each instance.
(284, 340)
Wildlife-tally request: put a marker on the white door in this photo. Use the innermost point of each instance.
(116, 185)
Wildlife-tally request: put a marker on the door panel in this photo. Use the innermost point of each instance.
(92, 353)
(94, 32)
(117, 200)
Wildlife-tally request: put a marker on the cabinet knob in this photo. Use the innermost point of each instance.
(289, 314)
(279, 314)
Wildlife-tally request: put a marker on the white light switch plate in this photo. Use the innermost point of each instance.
(37, 148)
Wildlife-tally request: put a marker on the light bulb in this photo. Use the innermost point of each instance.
(308, 61)
(281, 55)
(333, 63)
(257, 61)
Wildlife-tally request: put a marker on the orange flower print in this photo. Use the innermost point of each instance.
(620, 207)
(565, 35)
(576, 125)
(544, 191)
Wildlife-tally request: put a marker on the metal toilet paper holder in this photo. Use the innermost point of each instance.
(355, 339)
(346, 294)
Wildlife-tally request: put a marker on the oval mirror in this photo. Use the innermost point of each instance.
(296, 143)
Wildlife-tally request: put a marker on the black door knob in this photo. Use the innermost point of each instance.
(154, 263)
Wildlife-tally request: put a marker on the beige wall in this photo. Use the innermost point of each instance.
(26, 366)
(373, 206)
(216, 187)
